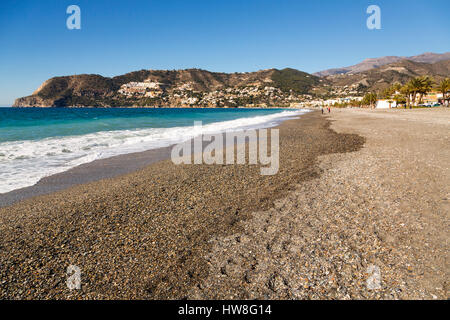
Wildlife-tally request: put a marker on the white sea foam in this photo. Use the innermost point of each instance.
(24, 163)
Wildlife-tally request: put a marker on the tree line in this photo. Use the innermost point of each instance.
(410, 94)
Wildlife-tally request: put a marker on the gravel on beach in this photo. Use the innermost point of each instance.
(336, 215)
(373, 225)
(145, 234)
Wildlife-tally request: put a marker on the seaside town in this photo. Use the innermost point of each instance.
(185, 95)
(418, 92)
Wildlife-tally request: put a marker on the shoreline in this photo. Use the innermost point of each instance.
(144, 235)
(85, 173)
(148, 107)
(102, 169)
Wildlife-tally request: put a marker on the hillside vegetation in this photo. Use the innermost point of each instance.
(201, 88)
(191, 87)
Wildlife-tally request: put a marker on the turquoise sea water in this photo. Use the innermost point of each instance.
(37, 123)
(37, 142)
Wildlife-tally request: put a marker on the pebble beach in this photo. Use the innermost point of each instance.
(357, 191)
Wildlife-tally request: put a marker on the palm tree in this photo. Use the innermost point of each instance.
(391, 91)
(396, 87)
(415, 86)
(370, 99)
(419, 86)
(444, 87)
(400, 99)
(407, 90)
(427, 86)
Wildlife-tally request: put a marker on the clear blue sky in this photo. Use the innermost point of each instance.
(121, 36)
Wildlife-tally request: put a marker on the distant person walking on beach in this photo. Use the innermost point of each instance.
(322, 110)
(329, 109)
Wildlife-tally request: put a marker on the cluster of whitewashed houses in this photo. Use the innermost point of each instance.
(147, 88)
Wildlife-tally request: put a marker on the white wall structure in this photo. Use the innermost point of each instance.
(386, 104)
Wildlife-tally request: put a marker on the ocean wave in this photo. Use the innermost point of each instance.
(24, 163)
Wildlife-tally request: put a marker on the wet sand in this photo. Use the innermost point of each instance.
(85, 173)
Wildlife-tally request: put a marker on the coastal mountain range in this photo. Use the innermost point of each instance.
(174, 88)
(202, 88)
(372, 63)
(377, 79)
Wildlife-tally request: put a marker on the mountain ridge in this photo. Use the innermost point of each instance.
(202, 88)
(174, 88)
(378, 79)
(371, 63)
